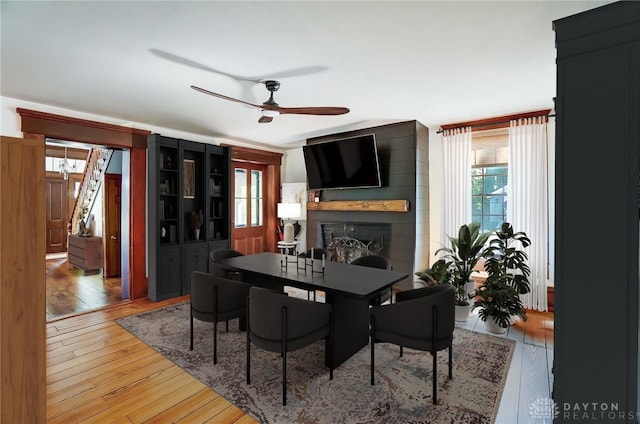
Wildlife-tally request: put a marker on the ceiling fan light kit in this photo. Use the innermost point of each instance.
(271, 109)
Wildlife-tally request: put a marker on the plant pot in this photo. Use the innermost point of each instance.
(462, 312)
(470, 287)
(494, 327)
(196, 234)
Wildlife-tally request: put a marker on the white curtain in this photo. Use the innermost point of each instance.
(456, 187)
(528, 200)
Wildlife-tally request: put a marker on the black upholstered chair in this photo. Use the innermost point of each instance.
(317, 253)
(215, 299)
(279, 323)
(218, 269)
(420, 319)
(375, 261)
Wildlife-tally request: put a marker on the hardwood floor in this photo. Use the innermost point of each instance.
(530, 377)
(98, 372)
(71, 290)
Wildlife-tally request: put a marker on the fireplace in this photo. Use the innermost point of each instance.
(347, 241)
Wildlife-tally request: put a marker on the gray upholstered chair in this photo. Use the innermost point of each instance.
(420, 319)
(215, 299)
(375, 261)
(218, 269)
(279, 323)
(318, 252)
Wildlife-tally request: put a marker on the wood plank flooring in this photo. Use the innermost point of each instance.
(98, 372)
(70, 290)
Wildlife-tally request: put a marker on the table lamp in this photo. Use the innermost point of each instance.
(287, 211)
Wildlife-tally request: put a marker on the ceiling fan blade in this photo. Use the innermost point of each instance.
(327, 110)
(265, 119)
(222, 96)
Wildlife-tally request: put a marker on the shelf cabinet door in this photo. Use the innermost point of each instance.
(195, 257)
(597, 180)
(168, 277)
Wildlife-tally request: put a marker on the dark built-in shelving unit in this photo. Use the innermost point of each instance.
(185, 177)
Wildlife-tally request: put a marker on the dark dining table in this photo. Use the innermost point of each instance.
(348, 288)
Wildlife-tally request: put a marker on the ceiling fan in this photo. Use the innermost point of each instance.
(271, 109)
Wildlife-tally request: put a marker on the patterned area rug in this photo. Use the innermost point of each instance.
(402, 393)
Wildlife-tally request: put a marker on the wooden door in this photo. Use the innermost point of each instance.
(112, 192)
(57, 213)
(22, 281)
(248, 224)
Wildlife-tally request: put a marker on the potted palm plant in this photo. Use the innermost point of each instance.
(437, 274)
(507, 278)
(461, 258)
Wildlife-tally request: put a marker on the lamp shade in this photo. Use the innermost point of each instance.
(289, 210)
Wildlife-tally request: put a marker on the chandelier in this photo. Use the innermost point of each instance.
(65, 166)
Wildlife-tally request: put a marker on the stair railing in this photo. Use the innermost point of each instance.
(91, 180)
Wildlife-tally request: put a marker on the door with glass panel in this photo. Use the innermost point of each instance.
(249, 231)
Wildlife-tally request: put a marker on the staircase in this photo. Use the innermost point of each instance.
(93, 175)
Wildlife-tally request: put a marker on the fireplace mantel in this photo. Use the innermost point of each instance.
(360, 205)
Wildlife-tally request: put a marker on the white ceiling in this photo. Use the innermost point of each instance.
(436, 62)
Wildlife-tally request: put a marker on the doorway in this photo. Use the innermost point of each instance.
(249, 230)
(71, 289)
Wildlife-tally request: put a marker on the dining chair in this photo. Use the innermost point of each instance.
(218, 269)
(279, 323)
(376, 261)
(216, 299)
(316, 253)
(421, 319)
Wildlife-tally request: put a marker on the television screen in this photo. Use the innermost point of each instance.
(346, 163)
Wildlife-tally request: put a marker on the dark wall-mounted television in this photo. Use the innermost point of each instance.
(345, 163)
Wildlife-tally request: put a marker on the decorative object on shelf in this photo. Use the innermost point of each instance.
(65, 166)
(507, 279)
(197, 219)
(189, 186)
(288, 211)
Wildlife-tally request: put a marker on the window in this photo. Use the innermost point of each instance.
(489, 178)
(248, 198)
(489, 196)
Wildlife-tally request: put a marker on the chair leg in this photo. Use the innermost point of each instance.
(191, 327)
(401, 351)
(435, 376)
(227, 329)
(451, 360)
(434, 313)
(215, 342)
(372, 336)
(248, 347)
(284, 356)
(331, 341)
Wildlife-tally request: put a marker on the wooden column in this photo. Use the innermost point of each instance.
(22, 285)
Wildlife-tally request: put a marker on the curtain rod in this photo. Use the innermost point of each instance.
(499, 122)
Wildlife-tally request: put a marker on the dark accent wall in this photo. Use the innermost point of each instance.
(403, 155)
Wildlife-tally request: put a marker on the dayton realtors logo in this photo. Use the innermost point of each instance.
(546, 409)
